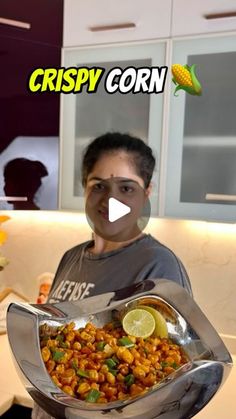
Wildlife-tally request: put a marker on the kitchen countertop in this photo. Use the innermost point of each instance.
(223, 404)
(11, 388)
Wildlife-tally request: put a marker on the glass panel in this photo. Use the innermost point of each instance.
(120, 112)
(209, 144)
(85, 116)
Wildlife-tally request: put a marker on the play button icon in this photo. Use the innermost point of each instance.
(116, 210)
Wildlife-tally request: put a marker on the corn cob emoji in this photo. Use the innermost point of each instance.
(184, 78)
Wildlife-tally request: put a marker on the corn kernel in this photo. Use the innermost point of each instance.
(181, 75)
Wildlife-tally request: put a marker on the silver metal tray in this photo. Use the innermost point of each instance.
(181, 395)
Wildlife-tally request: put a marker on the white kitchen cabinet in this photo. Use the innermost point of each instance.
(91, 22)
(191, 17)
(29, 125)
(201, 169)
(85, 116)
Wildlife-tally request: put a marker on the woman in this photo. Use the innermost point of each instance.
(120, 254)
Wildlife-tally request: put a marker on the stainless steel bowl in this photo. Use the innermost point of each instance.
(181, 395)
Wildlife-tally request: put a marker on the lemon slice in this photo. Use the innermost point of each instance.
(161, 330)
(139, 323)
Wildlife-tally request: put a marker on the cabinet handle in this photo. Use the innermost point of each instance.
(15, 23)
(222, 15)
(219, 197)
(116, 26)
(13, 198)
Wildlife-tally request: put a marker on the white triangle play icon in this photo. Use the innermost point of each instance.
(116, 209)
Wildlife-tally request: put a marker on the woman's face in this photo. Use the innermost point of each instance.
(114, 176)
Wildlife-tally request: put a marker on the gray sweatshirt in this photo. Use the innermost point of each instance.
(82, 274)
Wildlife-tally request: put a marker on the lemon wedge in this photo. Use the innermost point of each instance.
(139, 323)
(161, 330)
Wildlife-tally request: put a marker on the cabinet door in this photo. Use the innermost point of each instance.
(201, 171)
(29, 121)
(37, 20)
(85, 116)
(199, 17)
(91, 22)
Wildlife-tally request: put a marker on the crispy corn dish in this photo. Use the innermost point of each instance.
(102, 365)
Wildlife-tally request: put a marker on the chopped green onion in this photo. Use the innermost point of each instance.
(82, 373)
(93, 396)
(114, 372)
(168, 364)
(110, 363)
(174, 365)
(164, 364)
(129, 379)
(79, 372)
(74, 365)
(126, 342)
(65, 345)
(115, 359)
(60, 338)
(57, 355)
(100, 346)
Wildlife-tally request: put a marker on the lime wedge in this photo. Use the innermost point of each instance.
(161, 330)
(139, 323)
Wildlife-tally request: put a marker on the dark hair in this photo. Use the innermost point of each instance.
(26, 174)
(143, 159)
